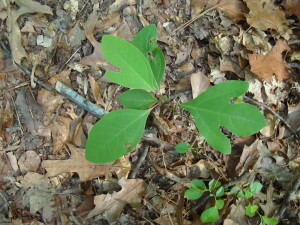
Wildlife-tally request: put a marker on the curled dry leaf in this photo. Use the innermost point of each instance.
(96, 58)
(265, 66)
(85, 169)
(111, 205)
(14, 33)
(265, 15)
(60, 133)
(96, 90)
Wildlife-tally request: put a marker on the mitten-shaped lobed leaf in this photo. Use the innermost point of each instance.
(135, 69)
(116, 134)
(212, 109)
(137, 99)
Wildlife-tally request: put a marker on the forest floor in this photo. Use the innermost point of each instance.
(44, 176)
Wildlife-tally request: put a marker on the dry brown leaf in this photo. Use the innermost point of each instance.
(111, 205)
(199, 82)
(265, 15)
(29, 161)
(293, 7)
(13, 29)
(60, 133)
(32, 114)
(51, 100)
(96, 90)
(248, 158)
(85, 169)
(265, 66)
(96, 58)
(269, 208)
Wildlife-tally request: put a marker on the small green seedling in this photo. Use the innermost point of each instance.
(141, 68)
(217, 191)
(183, 147)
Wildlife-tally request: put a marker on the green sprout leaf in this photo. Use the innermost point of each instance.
(240, 194)
(220, 192)
(270, 221)
(251, 210)
(146, 39)
(234, 190)
(213, 184)
(255, 187)
(135, 69)
(219, 204)
(212, 109)
(137, 99)
(198, 184)
(182, 147)
(116, 134)
(209, 215)
(193, 193)
(248, 194)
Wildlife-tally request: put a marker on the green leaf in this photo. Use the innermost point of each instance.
(209, 215)
(220, 192)
(234, 190)
(182, 147)
(135, 69)
(193, 193)
(219, 204)
(255, 187)
(198, 184)
(137, 99)
(248, 194)
(211, 184)
(146, 39)
(158, 64)
(116, 134)
(270, 221)
(212, 109)
(241, 194)
(251, 210)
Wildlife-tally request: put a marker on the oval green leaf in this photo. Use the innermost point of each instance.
(209, 215)
(116, 134)
(137, 99)
(255, 187)
(158, 64)
(146, 39)
(212, 109)
(182, 147)
(198, 184)
(193, 193)
(220, 192)
(251, 210)
(135, 69)
(270, 221)
(219, 204)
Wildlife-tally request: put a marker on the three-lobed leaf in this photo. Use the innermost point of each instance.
(135, 70)
(116, 134)
(137, 99)
(212, 109)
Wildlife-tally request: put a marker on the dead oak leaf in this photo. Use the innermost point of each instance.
(78, 164)
(96, 58)
(265, 66)
(265, 15)
(111, 205)
(14, 33)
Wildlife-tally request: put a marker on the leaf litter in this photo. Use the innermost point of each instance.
(45, 178)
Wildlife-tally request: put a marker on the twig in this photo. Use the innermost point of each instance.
(289, 198)
(79, 100)
(271, 110)
(142, 158)
(231, 183)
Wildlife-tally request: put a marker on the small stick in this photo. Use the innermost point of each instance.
(289, 197)
(142, 158)
(79, 100)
